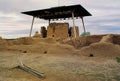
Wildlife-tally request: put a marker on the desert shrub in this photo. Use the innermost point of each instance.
(117, 78)
(118, 59)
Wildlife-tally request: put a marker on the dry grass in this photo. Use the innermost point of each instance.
(59, 68)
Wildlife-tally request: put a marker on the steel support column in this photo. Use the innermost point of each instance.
(49, 21)
(83, 25)
(31, 26)
(74, 24)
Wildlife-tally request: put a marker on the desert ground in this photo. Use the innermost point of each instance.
(90, 58)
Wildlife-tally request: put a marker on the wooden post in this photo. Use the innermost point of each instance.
(31, 26)
(74, 24)
(83, 25)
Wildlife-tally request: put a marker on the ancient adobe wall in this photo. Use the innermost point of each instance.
(71, 31)
(43, 32)
(58, 30)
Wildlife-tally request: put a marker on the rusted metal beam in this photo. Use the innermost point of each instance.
(31, 26)
(83, 24)
(74, 24)
(31, 71)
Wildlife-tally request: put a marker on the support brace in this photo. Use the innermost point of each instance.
(83, 25)
(49, 21)
(74, 24)
(32, 71)
(31, 26)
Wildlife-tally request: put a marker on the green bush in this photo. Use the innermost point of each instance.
(85, 34)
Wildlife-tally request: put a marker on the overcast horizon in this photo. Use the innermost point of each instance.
(105, 17)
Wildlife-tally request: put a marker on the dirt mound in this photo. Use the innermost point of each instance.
(96, 43)
(26, 40)
(37, 35)
(44, 40)
(23, 40)
(107, 39)
(103, 48)
(0, 38)
(87, 40)
(82, 41)
(7, 44)
(116, 39)
(3, 44)
(42, 48)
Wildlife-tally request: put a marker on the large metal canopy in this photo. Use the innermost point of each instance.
(59, 12)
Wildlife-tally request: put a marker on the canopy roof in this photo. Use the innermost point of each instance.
(59, 12)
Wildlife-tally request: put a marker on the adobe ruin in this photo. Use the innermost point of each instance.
(43, 32)
(59, 30)
(71, 31)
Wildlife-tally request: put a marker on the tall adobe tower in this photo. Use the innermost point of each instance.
(58, 30)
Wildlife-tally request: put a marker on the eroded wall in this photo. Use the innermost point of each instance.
(58, 30)
(71, 30)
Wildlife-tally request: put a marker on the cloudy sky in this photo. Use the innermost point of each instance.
(13, 24)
